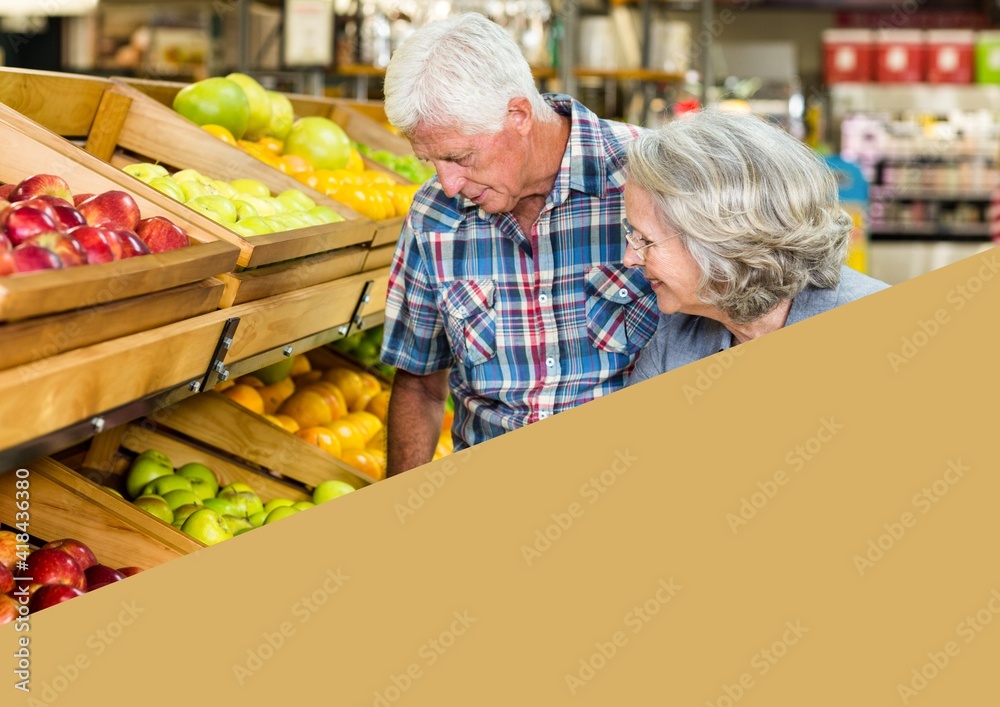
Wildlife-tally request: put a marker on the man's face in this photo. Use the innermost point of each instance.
(489, 170)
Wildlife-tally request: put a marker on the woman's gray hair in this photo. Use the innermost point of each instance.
(758, 210)
(459, 72)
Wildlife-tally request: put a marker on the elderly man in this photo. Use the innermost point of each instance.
(507, 286)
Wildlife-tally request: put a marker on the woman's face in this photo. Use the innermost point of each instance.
(667, 264)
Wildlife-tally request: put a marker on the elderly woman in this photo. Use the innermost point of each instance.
(738, 228)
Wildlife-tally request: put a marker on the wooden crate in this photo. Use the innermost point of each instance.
(31, 149)
(218, 422)
(122, 125)
(111, 453)
(64, 504)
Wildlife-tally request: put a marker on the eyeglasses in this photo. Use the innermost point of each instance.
(638, 241)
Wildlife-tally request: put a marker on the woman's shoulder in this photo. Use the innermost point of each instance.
(814, 300)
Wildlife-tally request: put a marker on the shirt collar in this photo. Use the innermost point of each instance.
(584, 165)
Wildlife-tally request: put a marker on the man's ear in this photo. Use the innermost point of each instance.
(519, 115)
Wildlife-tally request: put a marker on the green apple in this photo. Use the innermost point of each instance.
(156, 455)
(279, 513)
(221, 505)
(279, 207)
(223, 189)
(235, 523)
(247, 503)
(145, 171)
(235, 488)
(241, 230)
(329, 489)
(144, 470)
(157, 506)
(178, 497)
(309, 219)
(257, 519)
(277, 503)
(282, 115)
(244, 209)
(194, 175)
(113, 492)
(182, 513)
(295, 200)
(207, 526)
(243, 530)
(197, 470)
(215, 101)
(327, 214)
(192, 189)
(216, 207)
(202, 489)
(170, 482)
(250, 187)
(168, 186)
(319, 140)
(261, 204)
(303, 505)
(255, 225)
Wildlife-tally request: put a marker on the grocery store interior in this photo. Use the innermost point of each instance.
(272, 310)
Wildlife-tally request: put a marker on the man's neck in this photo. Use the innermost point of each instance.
(547, 146)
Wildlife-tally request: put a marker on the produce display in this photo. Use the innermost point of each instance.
(44, 226)
(190, 499)
(245, 206)
(59, 571)
(313, 149)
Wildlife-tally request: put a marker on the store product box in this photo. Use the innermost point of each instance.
(949, 56)
(987, 57)
(899, 56)
(848, 55)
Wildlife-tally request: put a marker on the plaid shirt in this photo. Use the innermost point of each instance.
(529, 326)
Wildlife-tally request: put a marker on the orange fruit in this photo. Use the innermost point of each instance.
(221, 133)
(274, 421)
(355, 162)
(300, 365)
(333, 397)
(348, 432)
(446, 422)
(222, 385)
(308, 408)
(322, 438)
(308, 178)
(251, 381)
(364, 462)
(374, 176)
(308, 377)
(276, 393)
(368, 423)
(271, 144)
(380, 457)
(371, 384)
(246, 396)
(294, 164)
(377, 442)
(287, 422)
(379, 405)
(349, 382)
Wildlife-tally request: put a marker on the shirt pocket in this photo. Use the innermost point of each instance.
(621, 309)
(470, 319)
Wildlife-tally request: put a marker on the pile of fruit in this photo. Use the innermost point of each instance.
(245, 206)
(44, 226)
(313, 149)
(59, 571)
(364, 347)
(189, 498)
(408, 166)
(340, 410)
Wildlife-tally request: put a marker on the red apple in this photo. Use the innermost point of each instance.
(131, 244)
(129, 571)
(67, 217)
(5, 190)
(95, 243)
(51, 594)
(115, 209)
(6, 580)
(29, 257)
(4, 243)
(40, 184)
(97, 585)
(102, 574)
(52, 566)
(23, 222)
(6, 264)
(161, 234)
(75, 549)
(8, 549)
(9, 609)
(80, 198)
(65, 247)
(47, 205)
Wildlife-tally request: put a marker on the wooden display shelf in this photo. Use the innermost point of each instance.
(123, 124)
(29, 149)
(111, 453)
(66, 505)
(636, 74)
(93, 380)
(218, 422)
(380, 256)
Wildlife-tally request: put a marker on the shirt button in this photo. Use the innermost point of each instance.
(542, 415)
(543, 298)
(623, 292)
(550, 362)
